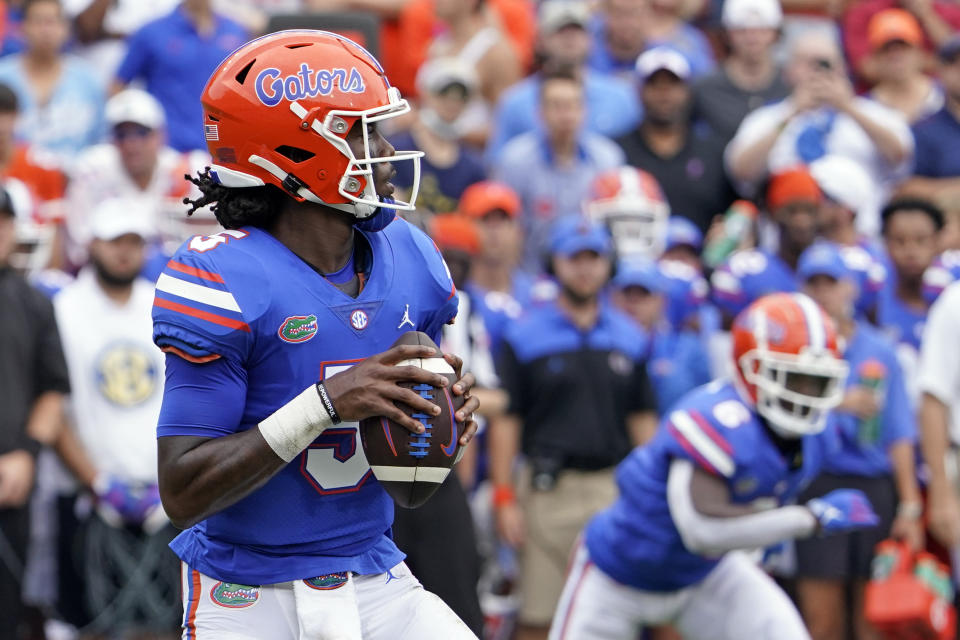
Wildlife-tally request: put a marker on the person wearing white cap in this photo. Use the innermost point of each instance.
(138, 165)
(750, 76)
(846, 188)
(116, 380)
(822, 117)
(686, 161)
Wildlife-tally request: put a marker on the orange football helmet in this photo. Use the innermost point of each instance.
(788, 362)
(631, 204)
(278, 110)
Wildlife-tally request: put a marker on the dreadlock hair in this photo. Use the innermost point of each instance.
(237, 207)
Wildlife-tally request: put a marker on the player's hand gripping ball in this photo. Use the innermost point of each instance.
(411, 466)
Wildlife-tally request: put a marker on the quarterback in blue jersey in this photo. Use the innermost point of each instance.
(719, 477)
(277, 332)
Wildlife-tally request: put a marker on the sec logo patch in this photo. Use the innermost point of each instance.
(234, 596)
(359, 319)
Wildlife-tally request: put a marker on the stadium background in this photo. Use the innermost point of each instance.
(528, 114)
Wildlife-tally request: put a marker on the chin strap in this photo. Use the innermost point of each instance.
(382, 217)
(297, 187)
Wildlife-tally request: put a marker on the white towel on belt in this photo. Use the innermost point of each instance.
(327, 608)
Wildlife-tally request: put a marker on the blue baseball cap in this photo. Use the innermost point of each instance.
(681, 231)
(573, 234)
(641, 273)
(822, 259)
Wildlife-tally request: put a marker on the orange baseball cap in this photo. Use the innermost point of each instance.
(892, 25)
(454, 231)
(481, 198)
(792, 185)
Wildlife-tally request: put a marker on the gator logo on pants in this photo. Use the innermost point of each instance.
(298, 328)
(328, 582)
(234, 596)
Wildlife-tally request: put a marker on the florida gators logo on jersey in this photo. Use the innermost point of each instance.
(234, 596)
(298, 328)
(126, 374)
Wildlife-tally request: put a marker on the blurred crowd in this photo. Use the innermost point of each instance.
(610, 182)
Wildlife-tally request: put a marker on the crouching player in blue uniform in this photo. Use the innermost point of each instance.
(287, 531)
(714, 480)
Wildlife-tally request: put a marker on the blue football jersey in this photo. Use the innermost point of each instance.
(635, 541)
(902, 323)
(243, 296)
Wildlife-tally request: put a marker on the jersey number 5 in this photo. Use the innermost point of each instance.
(202, 244)
(335, 463)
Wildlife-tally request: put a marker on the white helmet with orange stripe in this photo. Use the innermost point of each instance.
(788, 362)
(631, 204)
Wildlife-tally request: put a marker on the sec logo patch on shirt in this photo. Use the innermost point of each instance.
(359, 319)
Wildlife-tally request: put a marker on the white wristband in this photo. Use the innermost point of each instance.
(291, 428)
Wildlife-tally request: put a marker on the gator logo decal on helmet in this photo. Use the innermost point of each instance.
(298, 328)
(234, 596)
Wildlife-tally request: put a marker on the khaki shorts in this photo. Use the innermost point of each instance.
(554, 519)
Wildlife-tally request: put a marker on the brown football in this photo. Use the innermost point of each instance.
(412, 466)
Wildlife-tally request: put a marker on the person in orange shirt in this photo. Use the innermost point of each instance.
(36, 186)
(17, 160)
(420, 22)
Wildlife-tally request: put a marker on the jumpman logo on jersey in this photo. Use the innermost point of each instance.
(406, 319)
(390, 576)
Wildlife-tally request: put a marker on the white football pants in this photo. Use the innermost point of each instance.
(735, 601)
(386, 606)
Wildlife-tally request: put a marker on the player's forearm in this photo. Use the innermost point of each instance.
(748, 529)
(904, 472)
(201, 476)
(934, 443)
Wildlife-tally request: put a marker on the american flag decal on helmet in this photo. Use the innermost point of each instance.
(211, 132)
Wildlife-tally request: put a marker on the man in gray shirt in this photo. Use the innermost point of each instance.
(749, 77)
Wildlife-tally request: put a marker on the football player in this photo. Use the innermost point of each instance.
(277, 333)
(631, 204)
(666, 552)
